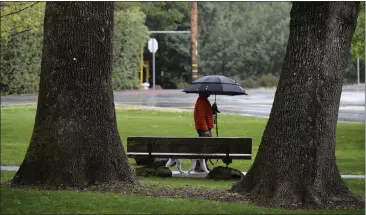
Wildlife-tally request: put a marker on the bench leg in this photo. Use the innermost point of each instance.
(227, 161)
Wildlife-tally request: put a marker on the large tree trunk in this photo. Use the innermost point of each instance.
(296, 164)
(75, 140)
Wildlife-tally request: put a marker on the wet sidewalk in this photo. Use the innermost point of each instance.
(177, 174)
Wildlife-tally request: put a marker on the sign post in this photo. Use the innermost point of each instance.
(358, 71)
(153, 47)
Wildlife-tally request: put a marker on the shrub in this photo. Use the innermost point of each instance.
(268, 80)
(249, 83)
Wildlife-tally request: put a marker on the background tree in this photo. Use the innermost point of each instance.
(357, 50)
(21, 52)
(130, 36)
(358, 41)
(295, 164)
(75, 140)
(19, 17)
(243, 40)
(20, 64)
(20, 45)
(173, 56)
(247, 39)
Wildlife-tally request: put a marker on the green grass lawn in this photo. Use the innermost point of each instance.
(356, 185)
(16, 131)
(25, 201)
(17, 125)
(32, 201)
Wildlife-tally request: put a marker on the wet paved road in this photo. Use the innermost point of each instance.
(257, 103)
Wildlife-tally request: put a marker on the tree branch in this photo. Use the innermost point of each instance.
(15, 12)
(13, 29)
(25, 30)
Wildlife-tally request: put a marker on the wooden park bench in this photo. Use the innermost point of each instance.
(225, 148)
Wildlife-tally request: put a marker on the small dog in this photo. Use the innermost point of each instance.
(193, 164)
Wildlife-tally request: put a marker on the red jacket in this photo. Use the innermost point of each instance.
(203, 115)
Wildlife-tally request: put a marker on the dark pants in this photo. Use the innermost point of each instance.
(202, 133)
(198, 165)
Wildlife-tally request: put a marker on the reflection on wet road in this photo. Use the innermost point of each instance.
(257, 103)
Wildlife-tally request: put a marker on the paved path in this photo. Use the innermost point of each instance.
(203, 175)
(176, 173)
(257, 103)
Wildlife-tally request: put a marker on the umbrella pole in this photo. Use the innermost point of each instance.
(217, 129)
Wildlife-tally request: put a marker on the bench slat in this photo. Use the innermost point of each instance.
(190, 147)
(189, 155)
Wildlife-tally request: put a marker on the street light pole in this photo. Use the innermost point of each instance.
(358, 71)
(194, 24)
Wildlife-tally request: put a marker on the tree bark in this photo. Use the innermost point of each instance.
(75, 140)
(295, 164)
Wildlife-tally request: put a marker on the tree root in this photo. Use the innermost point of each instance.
(286, 195)
(28, 176)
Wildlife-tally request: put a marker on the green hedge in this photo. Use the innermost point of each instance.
(130, 35)
(21, 55)
(21, 63)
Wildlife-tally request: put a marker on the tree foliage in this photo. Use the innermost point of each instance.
(358, 42)
(243, 40)
(21, 53)
(20, 44)
(241, 43)
(18, 17)
(21, 63)
(130, 36)
(173, 56)
(233, 40)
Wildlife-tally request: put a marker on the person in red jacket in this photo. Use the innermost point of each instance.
(204, 122)
(203, 115)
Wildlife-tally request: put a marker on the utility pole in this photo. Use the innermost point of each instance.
(358, 71)
(194, 40)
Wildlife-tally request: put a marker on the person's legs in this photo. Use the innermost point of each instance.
(193, 166)
(200, 133)
(203, 165)
(199, 167)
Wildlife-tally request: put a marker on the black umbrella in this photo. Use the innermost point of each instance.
(217, 85)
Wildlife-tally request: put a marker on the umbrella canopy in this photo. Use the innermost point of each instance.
(215, 84)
